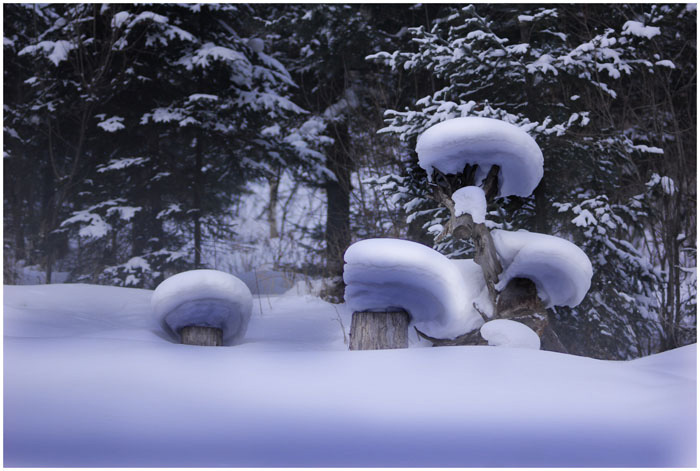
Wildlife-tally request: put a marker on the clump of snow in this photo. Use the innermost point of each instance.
(508, 333)
(256, 45)
(635, 28)
(113, 124)
(450, 145)
(207, 298)
(561, 271)
(470, 200)
(385, 274)
(474, 286)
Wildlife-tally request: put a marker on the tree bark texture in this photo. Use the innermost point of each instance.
(379, 330)
(203, 336)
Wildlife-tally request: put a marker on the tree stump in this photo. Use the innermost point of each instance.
(204, 336)
(379, 330)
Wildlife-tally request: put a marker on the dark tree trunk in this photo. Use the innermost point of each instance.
(274, 182)
(337, 235)
(197, 200)
(379, 330)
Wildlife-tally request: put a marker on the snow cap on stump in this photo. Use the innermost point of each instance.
(450, 145)
(390, 274)
(507, 333)
(205, 298)
(470, 200)
(560, 270)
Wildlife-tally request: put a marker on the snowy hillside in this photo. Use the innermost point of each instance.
(92, 380)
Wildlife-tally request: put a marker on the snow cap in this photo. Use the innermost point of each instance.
(508, 333)
(385, 274)
(561, 271)
(470, 200)
(206, 298)
(450, 145)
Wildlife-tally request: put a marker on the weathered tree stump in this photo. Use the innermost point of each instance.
(204, 336)
(379, 330)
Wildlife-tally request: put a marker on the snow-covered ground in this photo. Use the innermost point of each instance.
(91, 380)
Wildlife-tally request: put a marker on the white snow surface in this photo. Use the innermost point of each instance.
(470, 200)
(384, 274)
(91, 380)
(207, 298)
(508, 333)
(450, 145)
(561, 271)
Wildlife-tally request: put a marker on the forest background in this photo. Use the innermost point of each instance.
(140, 141)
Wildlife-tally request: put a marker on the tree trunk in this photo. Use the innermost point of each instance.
(274, 182)
(337, 235)
(379, 330)
(519, 302)
(204, 336)
(197, 200)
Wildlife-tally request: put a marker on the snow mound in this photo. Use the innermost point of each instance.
(507, 333)
(385, 274)
(470, 200)
(450, 145)
(561, 271)
(207, 298)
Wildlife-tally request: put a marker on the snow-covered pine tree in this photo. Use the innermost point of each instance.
(554, 73)
(176, 103)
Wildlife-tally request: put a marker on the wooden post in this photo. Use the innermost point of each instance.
(204, 336)
(379, 330)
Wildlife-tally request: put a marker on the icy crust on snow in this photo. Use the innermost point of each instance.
(507, 333)
(385, 274)
(470, 200)
(207, 298)
(450, 145)
(561, 271)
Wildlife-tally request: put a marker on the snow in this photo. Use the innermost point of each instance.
(470, 200)
(561, 271)
(635, 28)
(208, 298)
(113, 124)
(256, 45)
(91, 380)
(385, 274)
(450, 145)
(508, 333)
(55, 51)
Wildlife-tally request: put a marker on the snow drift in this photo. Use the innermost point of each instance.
(89, 382)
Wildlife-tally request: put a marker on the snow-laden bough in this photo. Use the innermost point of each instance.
(204, 298)
(451, 145)
(560, 270)
(508, 333)
(386, 274)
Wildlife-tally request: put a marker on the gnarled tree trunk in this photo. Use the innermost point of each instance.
(518, 301)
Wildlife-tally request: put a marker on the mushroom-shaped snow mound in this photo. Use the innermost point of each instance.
(507, 333)
(450, 145)
(205, 298)
(385, 274)
(561, 271)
